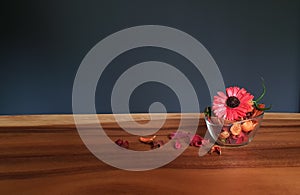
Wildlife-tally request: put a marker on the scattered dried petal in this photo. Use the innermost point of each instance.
(198, 141)
(125, 144)
(157, 144)
(172, 135)
(147, 140)
(216, 149)
(177, 144)
(121, 143)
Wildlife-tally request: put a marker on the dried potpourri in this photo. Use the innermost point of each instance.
(239, 112)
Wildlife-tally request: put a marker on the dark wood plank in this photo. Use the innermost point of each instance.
(44, 154)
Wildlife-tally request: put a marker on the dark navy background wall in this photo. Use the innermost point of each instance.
(44, 42)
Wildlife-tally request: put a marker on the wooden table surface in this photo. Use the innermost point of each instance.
(43, 154)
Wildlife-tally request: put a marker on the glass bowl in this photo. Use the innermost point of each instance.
(233, 133)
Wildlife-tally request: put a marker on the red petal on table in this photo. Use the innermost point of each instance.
(125, 144)
(196, 141)
(157, 144)
(177, 144)
(121, 143)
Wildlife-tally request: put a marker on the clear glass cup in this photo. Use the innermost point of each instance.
(228, 133)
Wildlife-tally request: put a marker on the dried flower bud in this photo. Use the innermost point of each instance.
(248, 126)
(224, 135)
(236, 129)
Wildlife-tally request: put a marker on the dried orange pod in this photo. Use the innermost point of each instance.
(224, 135)
(261, 105)
(257, 112)
(248, 126)
(236, 129)
(227, 122)
(147, 140)
(250, 107)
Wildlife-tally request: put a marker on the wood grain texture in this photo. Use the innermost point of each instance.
(43, 154)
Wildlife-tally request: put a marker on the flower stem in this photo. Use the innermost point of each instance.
(261, 97)
(264, 91)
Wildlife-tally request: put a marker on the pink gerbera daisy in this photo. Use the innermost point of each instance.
(233, 105)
